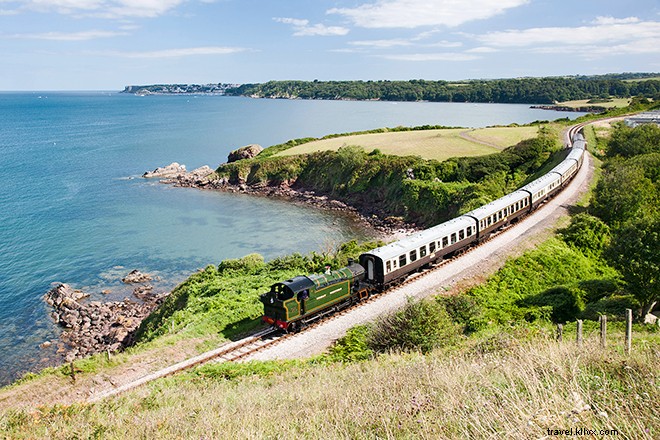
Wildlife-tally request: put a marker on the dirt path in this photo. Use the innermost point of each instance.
(465, 135)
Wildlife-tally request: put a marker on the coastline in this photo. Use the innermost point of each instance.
(204, 178)
(92, 326)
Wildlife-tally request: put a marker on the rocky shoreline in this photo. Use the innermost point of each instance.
(91, 327)
(205, 178)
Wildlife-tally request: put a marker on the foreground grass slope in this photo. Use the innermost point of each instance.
(515, 385)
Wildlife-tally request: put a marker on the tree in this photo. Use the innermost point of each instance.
(628, 142)
(635, 252)
(623, 193)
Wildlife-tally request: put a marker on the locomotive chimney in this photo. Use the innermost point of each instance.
(350, 261)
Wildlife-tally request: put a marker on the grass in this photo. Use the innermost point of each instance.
(508, 385)
(429, 144)
(615, 102)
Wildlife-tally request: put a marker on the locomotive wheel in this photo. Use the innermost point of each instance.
(294, 327)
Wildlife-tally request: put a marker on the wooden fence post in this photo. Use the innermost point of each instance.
(579, 332)
(628, 331)
(603, 331)
(560, 332)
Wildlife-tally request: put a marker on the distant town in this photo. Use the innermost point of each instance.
(180, 89)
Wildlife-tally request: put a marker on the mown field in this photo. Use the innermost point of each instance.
(614, 102)
(438, 144)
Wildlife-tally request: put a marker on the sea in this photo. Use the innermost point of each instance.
(75, 209)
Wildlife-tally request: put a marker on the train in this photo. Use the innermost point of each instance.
(292, 304)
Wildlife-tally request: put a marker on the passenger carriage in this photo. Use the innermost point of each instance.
(542, 188)
(499, 213)
(389, 263)
(566, 170)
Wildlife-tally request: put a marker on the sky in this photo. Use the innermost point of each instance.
(108, 44)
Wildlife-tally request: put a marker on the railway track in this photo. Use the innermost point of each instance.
(265, 338)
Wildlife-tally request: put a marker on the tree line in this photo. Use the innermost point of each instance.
(547, 90)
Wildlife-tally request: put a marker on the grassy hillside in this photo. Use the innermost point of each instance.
(440, 144)
(517, 384)
(425, 192)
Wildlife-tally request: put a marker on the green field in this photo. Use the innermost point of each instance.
(429, 144)
(616, 102)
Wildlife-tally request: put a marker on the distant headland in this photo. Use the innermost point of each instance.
(533, 91)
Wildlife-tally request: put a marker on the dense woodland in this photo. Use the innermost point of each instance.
(523, 90)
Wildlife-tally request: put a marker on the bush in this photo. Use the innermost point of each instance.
(565, 303)
(614, 306)
(586, 233)
(463, 310)
(353, 346)
(248, 264)
(419, 326)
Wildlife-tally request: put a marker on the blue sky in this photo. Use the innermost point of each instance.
(107, 44)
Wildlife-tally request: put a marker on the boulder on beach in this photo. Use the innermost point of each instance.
(247, 152)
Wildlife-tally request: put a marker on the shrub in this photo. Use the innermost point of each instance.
(419, 326)
(463, 310)
(586, 233)
(353, 346)
(247, 264)
(566, 303)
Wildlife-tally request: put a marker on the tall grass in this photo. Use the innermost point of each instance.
(520, 390)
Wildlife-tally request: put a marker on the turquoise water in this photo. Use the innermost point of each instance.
(75, 210)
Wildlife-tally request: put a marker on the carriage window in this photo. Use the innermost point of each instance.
(453, 238)
(388, 266)
(469, 230)
(445, 242)
(461, 234)
(432, 247)
(413, 255)
(422, 251)
(402, 260)
(394, 263)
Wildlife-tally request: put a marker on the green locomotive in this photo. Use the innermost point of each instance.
(293, 303)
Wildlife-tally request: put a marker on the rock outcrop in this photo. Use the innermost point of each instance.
(247, 152)
(170, 171)
(135, 276)
(94, 326)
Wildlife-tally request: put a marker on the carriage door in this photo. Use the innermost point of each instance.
(370, 269)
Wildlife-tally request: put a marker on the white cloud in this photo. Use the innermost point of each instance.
(70, 36)
(302, 28)
(177, 53)
(449, 56)
(607, 33)
(381, 43)
(103, 8)
(612, 20)
(482, 49)
(416, 13)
